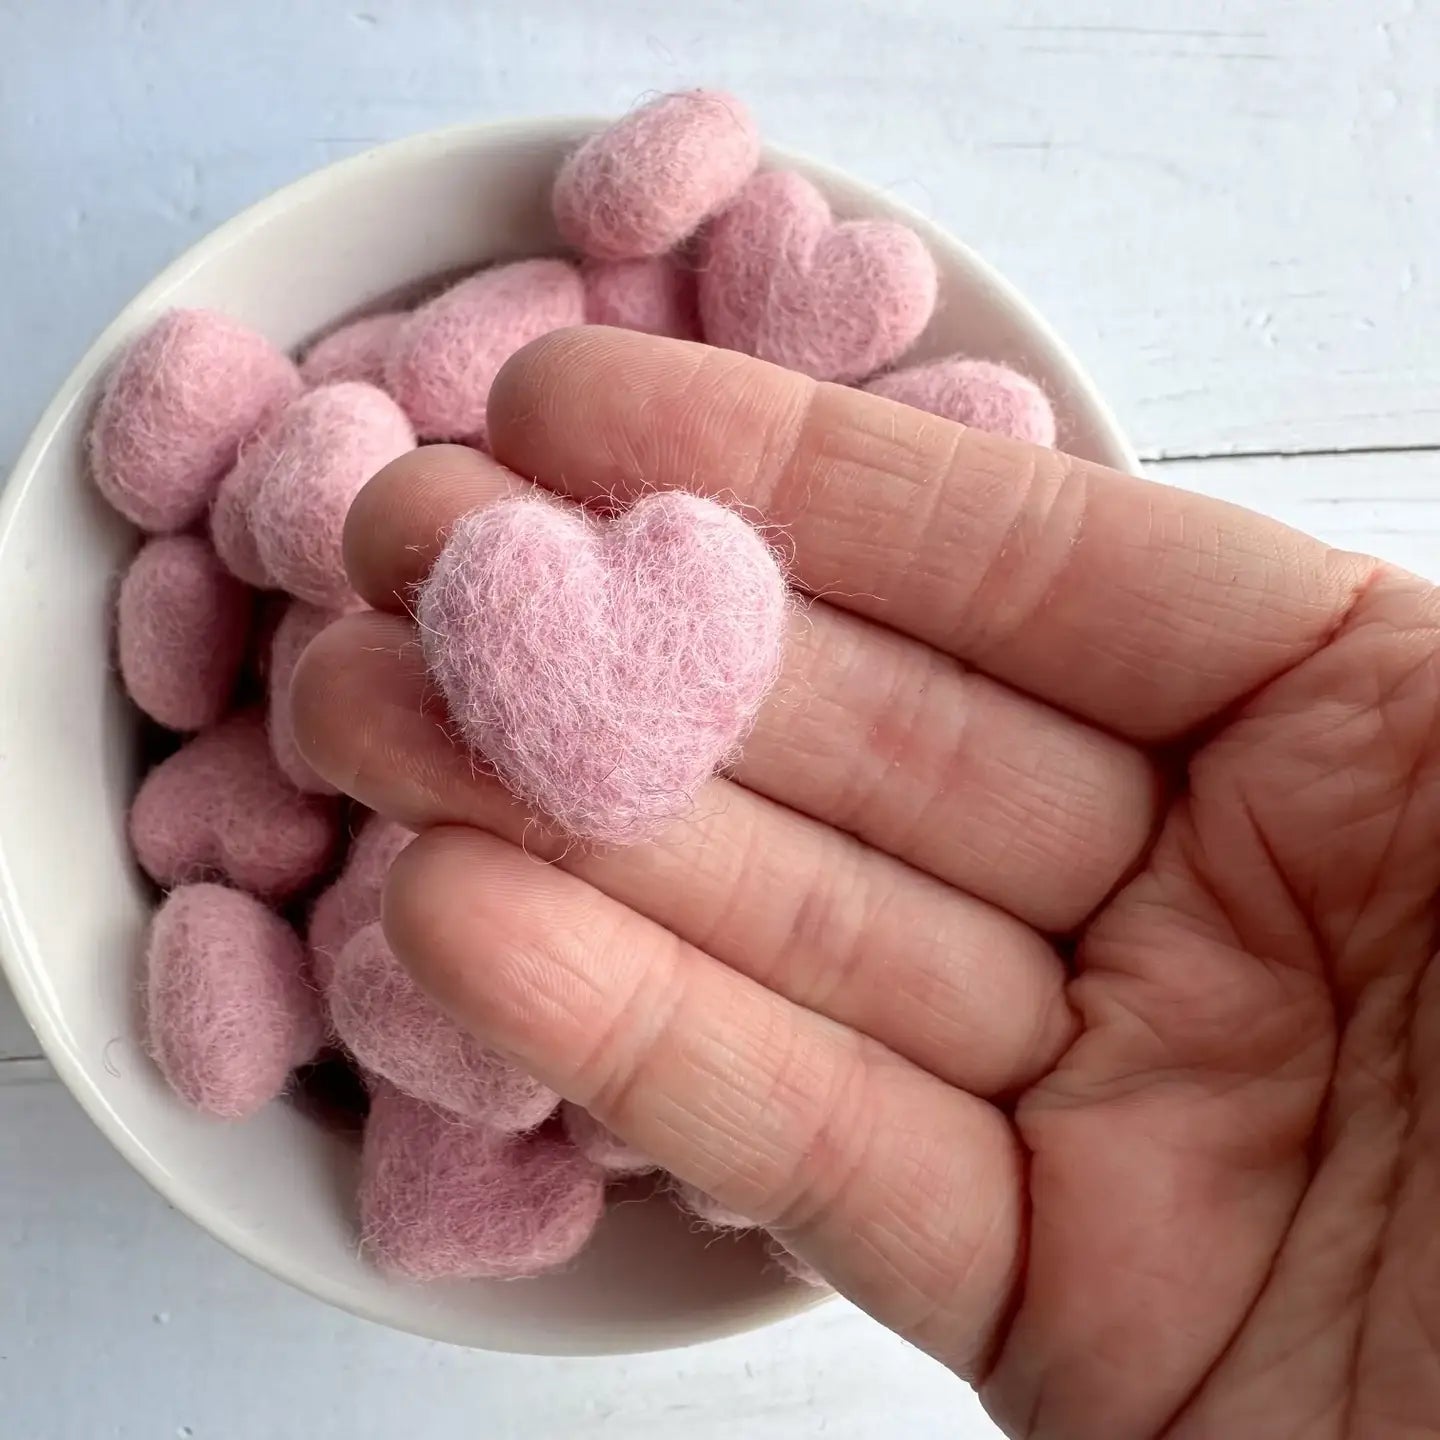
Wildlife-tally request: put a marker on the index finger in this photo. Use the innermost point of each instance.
(1141, 607)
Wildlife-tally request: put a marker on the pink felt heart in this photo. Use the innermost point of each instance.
(642, 185)
(781, 280)
(445, 356)
(977, 393)
(604, 669)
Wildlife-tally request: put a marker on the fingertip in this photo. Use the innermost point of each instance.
(403, 908)
(558, 415)
(451, 885)
(323, 690)
(399, 521)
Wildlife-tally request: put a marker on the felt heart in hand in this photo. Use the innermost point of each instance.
(781, 280)
(605, 669)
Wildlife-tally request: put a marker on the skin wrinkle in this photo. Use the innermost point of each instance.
(1398, 1176)
(1054, 528)
(608, 1074)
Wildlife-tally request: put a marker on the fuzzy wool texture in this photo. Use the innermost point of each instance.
(978, 393)
(642, 185)
(300, 624)
(782, 280)
(319, 454)
(656, 297)
(231, 532)
(355, 351)
(175, 411)
(605, 669)
(220, 806)
(705, 1207)
(229, 1010)
(601, 1145)
(182, 623)
(443, 1198)
(353, 901)
(445, 358)
(398, 1033)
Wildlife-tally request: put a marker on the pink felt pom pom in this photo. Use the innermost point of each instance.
(220, 805)
(779, 278)
(398, 1033)
(656, 297)
(300, 624)
(353, 352)
(605, 670)
(231, 531)
(229, 1011)
(443, 1198)
(989, 397)
(640, 186)
(354, 900)
(321, 451)
(181, 626)
(442, 363)
(175, 411)
(601, 1145)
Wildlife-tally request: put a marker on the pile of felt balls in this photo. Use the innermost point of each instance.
(239, 465)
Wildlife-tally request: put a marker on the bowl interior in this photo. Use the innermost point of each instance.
(279, 1188)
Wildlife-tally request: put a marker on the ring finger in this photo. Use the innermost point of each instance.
(954, 984)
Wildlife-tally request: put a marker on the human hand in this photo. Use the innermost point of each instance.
(1186, 1185)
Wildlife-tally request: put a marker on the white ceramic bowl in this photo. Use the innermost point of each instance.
(279, 1189)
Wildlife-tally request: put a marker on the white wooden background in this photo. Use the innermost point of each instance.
(1229, 209)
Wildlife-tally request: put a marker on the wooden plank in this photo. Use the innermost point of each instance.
(1382, 504)
(1228, 210)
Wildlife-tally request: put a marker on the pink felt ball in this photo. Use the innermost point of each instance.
(353, 901)
(353, 352)
(231, 531)
(219, 805)
(641, 185)
(322, 450)
(655, 296)
(605, 669)
(442, 363)
(601, 1145)
(175, 411)
(988, 397)
(444, 1198)
(779, 278)
(181, 626)
(300, 624)
(229, 1011)
(397, 1032)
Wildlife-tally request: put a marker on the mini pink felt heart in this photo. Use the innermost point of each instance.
(604, 669)
(642, 185)
(781, 280)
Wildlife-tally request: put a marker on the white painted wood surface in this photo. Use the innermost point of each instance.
(1230, 212)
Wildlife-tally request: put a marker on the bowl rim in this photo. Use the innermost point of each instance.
(20, 961)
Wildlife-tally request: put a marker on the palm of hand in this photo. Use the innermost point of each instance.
(1233, 1171)
(1208, 1212)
